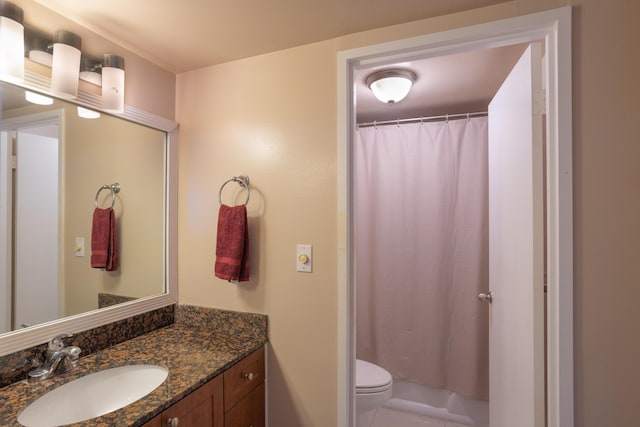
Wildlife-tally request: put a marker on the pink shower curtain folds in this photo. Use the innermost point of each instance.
(422, 252)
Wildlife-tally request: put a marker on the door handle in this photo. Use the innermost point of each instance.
(486, 297)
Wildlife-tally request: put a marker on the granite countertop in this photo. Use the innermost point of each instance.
(193, 352)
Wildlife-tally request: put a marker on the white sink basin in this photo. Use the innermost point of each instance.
(93, 395)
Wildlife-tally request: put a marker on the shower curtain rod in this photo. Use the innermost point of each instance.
(423, 119)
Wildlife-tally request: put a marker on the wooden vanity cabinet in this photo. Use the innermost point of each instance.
(244, 392)
(234, 398)
(203, 407)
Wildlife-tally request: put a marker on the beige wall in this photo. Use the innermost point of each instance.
(606, 66)
(274, 118)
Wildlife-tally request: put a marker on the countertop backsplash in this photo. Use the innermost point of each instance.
(14, 366)
(194, 343)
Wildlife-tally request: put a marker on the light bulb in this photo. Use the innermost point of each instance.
(36, 98)
(86, 113)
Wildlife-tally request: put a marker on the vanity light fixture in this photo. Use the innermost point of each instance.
(11, 42)
(38, 46)
(112, 83)
(391, 86)
(86, 113)
(41, 57)
(90, 70)
(36, 98)
(65, 69)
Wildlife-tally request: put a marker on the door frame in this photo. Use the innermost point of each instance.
(554, 27)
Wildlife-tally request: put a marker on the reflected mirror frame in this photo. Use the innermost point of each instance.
(20, 339)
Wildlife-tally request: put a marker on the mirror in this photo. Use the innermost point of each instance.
(62, 162)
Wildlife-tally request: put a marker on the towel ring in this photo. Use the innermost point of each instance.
(115, 188)
(243, 181)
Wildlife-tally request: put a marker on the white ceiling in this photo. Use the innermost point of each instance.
(453, 84)
(180, 36)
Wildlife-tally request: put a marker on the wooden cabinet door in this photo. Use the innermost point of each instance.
(239, 392)
(202, 408)
(243, 377)
(249, 412)
(154, 422)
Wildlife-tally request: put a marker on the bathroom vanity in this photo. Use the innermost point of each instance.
(234, 398)
(216, 364)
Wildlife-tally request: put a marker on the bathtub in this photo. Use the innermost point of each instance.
(438, 404)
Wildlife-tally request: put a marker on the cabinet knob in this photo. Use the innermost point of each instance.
(249, 376)
(173, 422)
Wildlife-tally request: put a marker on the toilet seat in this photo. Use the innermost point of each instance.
(371, 378)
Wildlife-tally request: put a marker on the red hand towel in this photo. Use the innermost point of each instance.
(103, 240)
(232, 248)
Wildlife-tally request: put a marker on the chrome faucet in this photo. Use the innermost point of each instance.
(58, 358)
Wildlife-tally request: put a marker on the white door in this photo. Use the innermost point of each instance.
(516, 251)
(36, 274)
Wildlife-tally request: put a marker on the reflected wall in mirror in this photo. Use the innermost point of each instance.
(53, 163)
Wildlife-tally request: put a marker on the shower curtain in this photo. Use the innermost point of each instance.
(421, 242)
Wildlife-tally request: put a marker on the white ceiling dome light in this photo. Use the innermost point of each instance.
(391, 86)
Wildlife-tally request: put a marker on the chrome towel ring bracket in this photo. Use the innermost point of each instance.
(243, 181)
(114, 188)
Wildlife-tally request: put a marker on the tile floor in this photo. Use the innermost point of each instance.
(385, 417)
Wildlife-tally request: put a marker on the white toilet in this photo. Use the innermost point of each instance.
(373, 388)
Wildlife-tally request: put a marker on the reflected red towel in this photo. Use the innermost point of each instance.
(232, 247)
(104, 243)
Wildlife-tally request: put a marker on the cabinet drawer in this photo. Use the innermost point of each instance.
(249, 412)
(243, 377)
(201, 408)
